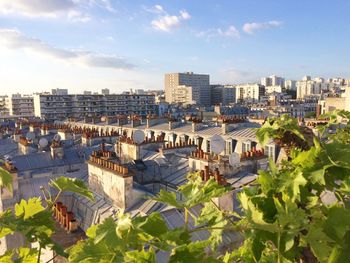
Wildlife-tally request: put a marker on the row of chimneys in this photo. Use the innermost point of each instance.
(252, 153)
(129, 140)
(88, 135)
(103, 153)
(206, 174)
(171, 145)
(231, 119)
(200, 154)
(65, 218)
(109, 165)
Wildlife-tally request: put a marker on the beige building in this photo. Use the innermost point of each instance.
(308, 88)
(187, 88)
(19, 105)
(250, 92)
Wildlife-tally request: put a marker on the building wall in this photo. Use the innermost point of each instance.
(199, 83)
(115, 187)
(338, 103)
(249, 92)
(222, 94)
(78, 106)
(20, 105)
(308, 88)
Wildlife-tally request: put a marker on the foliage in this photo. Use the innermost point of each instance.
(278, 128)
(5, 179)
(286, 217)
(138, 239)
(34, 222)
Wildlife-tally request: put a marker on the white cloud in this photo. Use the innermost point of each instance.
(159, 8)
(74, 10)
(156, 9)
(168, 22)
(234, 75)
(36, 7)
(251, 28)
(14, 40)
(231, 32)
(77, 16)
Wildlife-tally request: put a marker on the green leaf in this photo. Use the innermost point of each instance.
(154, 225)
(168, 198)
(337, 223)
(27, 255)
(292, 183)
(319, 242)
(341, 253)
(255, 215)
(142, 256)
(29, 209)
(193, 252)
(74, 185)
(5, 179)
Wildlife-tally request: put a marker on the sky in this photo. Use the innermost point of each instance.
(130, 44)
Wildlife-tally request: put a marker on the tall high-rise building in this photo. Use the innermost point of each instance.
(19, 105)
(105, 91)
(50, 106)
(187, 88)
(59, 91)
(308, 87)
(223, 94)
(272, 81)
(290, 84)
(250, 92)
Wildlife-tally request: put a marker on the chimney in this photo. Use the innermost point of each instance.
(135, 122)
(225, 128)
(196, 126)
(57, 151)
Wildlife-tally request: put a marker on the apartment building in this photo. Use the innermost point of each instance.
(20, 105)
(59, 91)
(250, 92)
(50, 106)
(187, 88)
(272, 81)
(223, 94)
(308, 87)
(290, 84)
(3, 109)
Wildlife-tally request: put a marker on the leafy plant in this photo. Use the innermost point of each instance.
(297, 212)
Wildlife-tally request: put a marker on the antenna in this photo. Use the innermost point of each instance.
(217, 144)
(138, 136)
(234, 159)
(30, 136)
(43, 142)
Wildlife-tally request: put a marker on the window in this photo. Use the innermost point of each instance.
(246, 146)
(270, 151)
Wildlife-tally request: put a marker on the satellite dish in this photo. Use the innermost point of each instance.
(57, 137)
(30, 136)
(138, 136)
(43, 142)
(234, 159)
(217, 144)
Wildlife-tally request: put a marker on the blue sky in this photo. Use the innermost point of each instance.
(95, 44)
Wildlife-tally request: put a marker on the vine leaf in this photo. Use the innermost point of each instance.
(74, 185)
(5, 179)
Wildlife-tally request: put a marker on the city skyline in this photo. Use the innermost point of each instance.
(91, 45)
